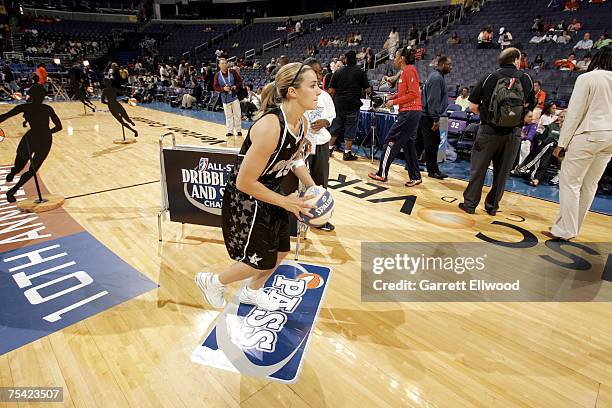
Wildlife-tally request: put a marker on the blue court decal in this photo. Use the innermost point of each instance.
(272, 345)
(51, 285)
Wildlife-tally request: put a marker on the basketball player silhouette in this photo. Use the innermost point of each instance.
(38, 137)
(109, 97)
(78, 87)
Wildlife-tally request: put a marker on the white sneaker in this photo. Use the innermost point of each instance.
(213, 293)
(258, 298)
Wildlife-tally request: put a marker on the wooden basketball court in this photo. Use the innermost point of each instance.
(361, 354)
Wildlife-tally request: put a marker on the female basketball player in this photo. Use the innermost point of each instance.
(38, 137)
(255, 218)
(109, 97)
(404, 130)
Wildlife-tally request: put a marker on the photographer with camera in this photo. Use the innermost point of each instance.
(404, 130)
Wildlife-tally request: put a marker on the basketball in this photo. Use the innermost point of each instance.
(132, 102)
(90, 89)
(2, 135)
(323, 206)
(18, 96)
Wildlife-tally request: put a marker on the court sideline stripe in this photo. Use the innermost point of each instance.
(113, 189)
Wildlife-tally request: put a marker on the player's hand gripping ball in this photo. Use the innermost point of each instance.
(323, 206)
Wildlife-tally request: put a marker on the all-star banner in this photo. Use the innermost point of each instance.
(195, 179)
(252, 341)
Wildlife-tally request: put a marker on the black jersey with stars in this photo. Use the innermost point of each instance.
(279, 164)
(255, 231)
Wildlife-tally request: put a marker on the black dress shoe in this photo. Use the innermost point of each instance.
(229, 134)
(440, 176)
(464, 208)
(239, 134)
(491, 212)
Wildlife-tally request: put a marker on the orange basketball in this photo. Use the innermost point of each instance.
(2, 135)
(18, 96)
(313, 280)
(132, 102)
(90, 89)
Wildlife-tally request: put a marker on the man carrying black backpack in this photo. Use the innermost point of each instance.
(500, 98)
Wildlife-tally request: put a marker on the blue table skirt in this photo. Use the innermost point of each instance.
(384, 121)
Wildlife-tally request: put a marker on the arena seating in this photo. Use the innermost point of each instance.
(469, 62)
(185, 37)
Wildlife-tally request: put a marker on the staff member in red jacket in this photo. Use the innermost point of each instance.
(404, 130)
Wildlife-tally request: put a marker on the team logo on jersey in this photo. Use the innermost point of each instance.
(260, 343)
(204, 184)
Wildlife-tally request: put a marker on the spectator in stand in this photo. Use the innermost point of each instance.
(358, 38)
(251, 104)
(270, 67)
(583, 65)
(575, 26)
(585, 44)
(453, 39)
(561, 26)
(9, 78)
(571, 5)
(282, 61)
(434, 61)
(528, 133)
(195, 97)
(394, 40)
(549, 115)
(602, 41)
(540, 95)
(524, 64)
(566, 64)
(538, 62)
(537, 38)
(41, 72)
(564, 38)
(505, 38)
(538, 25)
(462, 99)
(485, 38)
(413, 35)
(370, 57)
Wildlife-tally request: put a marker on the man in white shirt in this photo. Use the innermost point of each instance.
(585, 44)
(583, 64)
(318, 135)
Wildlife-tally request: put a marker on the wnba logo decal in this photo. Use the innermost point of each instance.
(204, 185)
(313, 280)
(268, 344)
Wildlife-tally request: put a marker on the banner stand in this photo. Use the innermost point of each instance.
(165, 207)
(193, 180)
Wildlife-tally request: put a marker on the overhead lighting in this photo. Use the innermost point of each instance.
(85, 63)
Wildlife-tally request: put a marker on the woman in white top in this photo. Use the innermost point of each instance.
(548, 116)
(394, 40)
(586, 144)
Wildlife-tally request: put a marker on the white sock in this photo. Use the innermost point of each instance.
(215, 280)
(347, 151)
